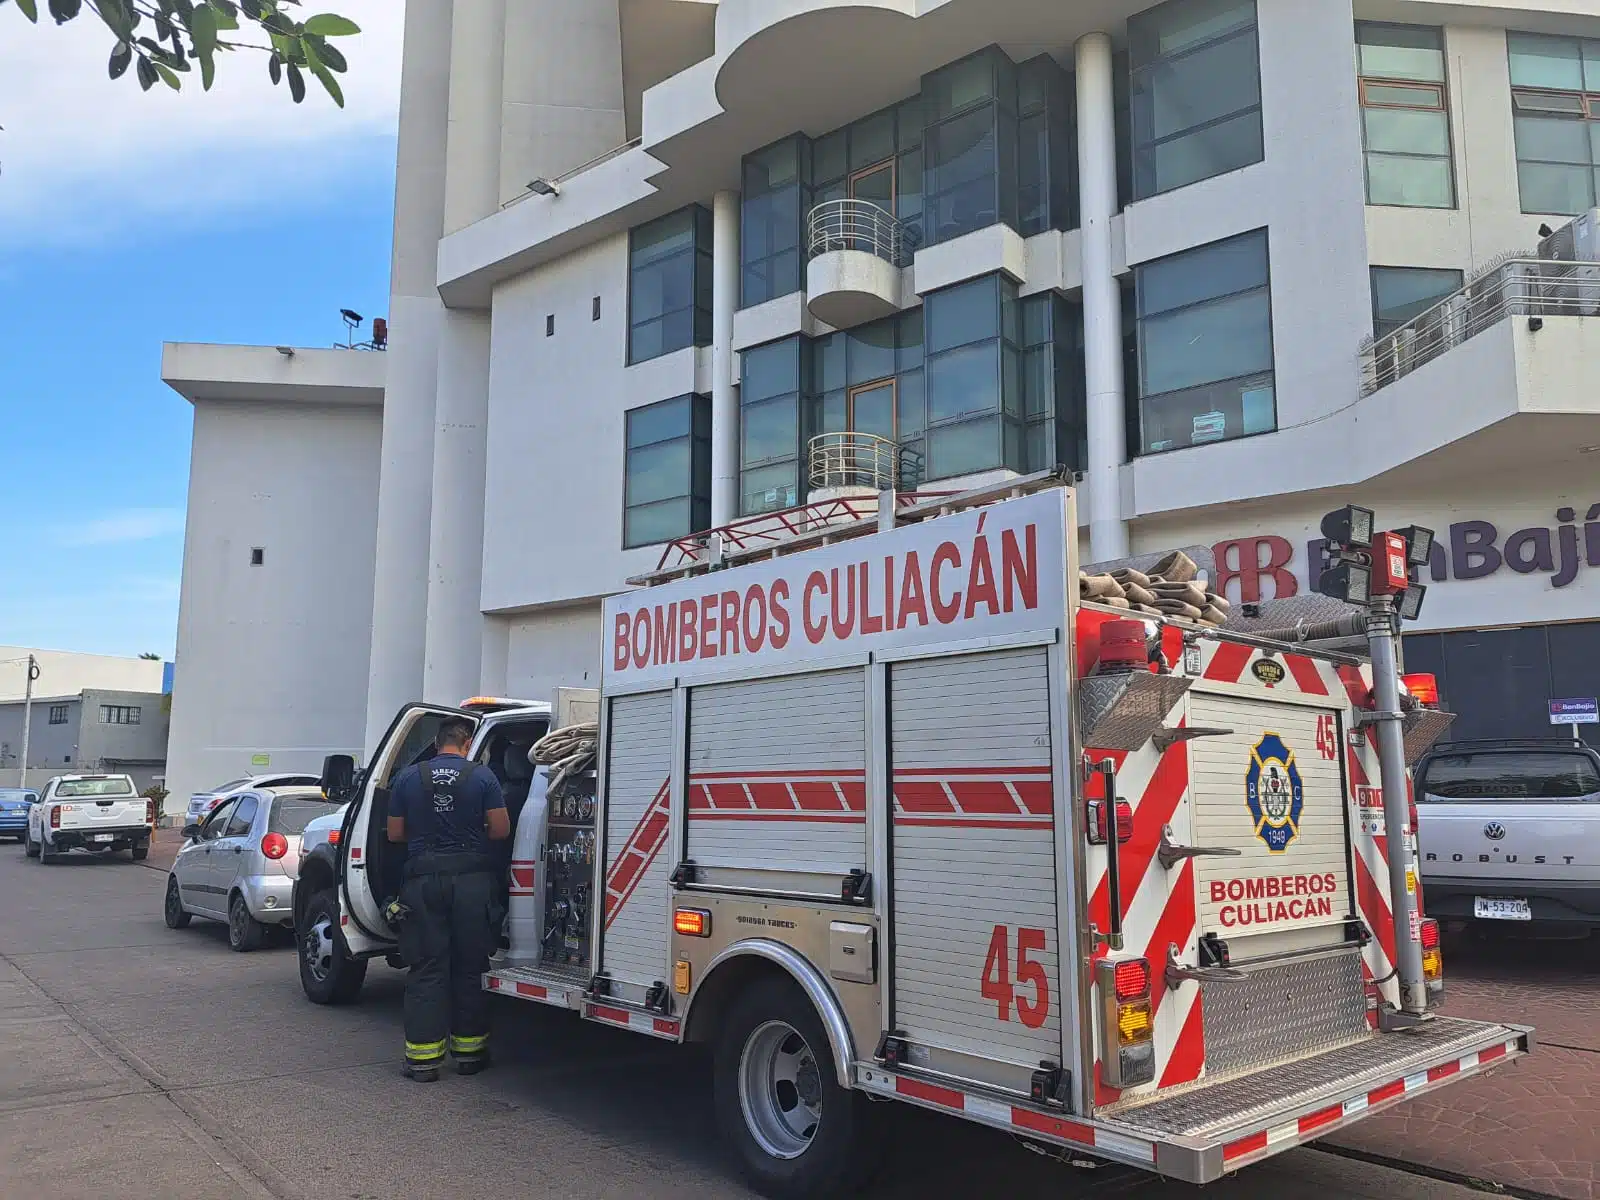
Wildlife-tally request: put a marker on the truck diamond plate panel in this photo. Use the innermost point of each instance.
(1249, 1101)
(1284, 1011)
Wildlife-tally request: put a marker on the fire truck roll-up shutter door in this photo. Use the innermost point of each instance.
(777, 781)
(1273, 790)
(973, 905)
(638, 771)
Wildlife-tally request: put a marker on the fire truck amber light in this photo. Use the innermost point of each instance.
(692, 922)
(1132, 979)
(1134, 1022)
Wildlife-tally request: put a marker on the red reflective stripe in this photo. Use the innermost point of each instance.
(618, 1015)
(817, 796)
(901, 773)
(1249, 1145)
(667, 1027)
(917, 1090)
(1375, 906)
(974, 822)
(1443, 1071)
(989, 798)
(642, 847)
(1492, 1053)
(1306, 674)
(1173, 927)
(922, 796)
(1070, 1131)
(1151, 812)
(1228, 662)
(808, 818)
(1037, 796)
(1318, 1119)
(532, 989)
(1189, 1052)
(1387, 1092)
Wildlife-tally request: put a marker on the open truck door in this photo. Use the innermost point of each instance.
(370, 868)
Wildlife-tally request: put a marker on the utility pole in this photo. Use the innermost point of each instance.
(27, 717)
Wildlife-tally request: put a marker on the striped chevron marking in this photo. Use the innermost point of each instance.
(640, 850)
(829, 797)
(1230, 662)
(974, 797)
(524, 877)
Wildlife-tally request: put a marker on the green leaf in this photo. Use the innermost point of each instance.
(146, 71)
(320, 70)
(203, 31)
(64, 10)
(297, 84)
(29, 9)
(331, 25)
(169, 76)
(121, 56)
(275, 69)
(330, 55)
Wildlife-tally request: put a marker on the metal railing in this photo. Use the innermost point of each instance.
(1513, 286)
(864, 460)
(857, 225)
(607, 156)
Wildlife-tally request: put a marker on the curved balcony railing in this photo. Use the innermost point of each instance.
(1514, 286)
(863, 460)
(857, 225)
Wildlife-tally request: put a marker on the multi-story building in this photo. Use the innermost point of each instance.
(97, 729)
(646, 251)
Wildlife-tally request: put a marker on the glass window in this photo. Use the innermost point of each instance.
(1402, 293)
(970, 153)
(120, 714)
(1205, 345)
(1555, 102)
(244, 816)
(773, 199)
(769, 427)
(58, 714)
(1510, 775)
(217, 820)
(973, 379)
(1196, 92)
(292, 815)
(666, 480)
(669, 284)
(1405, 115)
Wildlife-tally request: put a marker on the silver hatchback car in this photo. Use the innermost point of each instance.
(239, 864)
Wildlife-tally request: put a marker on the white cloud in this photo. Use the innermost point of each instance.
(84, 158)
(129, 525)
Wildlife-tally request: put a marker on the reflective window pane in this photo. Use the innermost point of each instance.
(769, 429)
(769, 370)
(658, 422)
(1400, 51)
(657, 472)
(666, 470)
(871, 351)
(1203, 273)
(1553, 140)
(768, 489)
(963, 449)
(1213, 413)
(964, 381)
(1200, 155)
(1407, 131)
(1545, 62)
(1555, 188)
(1198, 88)
(1178, 26)
(965, 313)
(911, 415)
(669, 299)
(1410, 182)
(872, 140)
(659, 522)
(1401, 293)
(1216, 340)
(960, 85)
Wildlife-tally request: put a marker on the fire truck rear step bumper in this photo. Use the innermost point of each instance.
(1208, 1131)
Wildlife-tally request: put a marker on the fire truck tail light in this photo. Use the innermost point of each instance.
(1097, 822)
(1432, 955)
(691, 922)
(1134, 1022)
(1131, 979)
(333, 837)
(1428, 931)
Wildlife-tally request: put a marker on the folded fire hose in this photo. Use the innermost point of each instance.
(1174, 587)
(570, 750)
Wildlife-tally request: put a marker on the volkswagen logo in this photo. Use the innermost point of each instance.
(1494, 831)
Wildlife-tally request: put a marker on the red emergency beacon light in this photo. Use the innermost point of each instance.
(1123, 647)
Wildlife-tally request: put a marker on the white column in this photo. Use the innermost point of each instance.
(400, 569)
(453, 637)
(1102, 305)
(724, 396)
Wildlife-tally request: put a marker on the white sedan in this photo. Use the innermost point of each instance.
(200, 803)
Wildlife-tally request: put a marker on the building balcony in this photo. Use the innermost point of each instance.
(855, 253)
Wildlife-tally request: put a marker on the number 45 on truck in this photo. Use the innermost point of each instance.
(899, 816)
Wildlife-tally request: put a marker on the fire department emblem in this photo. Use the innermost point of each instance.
(1273, 792)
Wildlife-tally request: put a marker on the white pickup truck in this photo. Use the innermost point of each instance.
(102, 813)
(1509, 831)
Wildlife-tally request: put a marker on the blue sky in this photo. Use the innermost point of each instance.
(127, 220)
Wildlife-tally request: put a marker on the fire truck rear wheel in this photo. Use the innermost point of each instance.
(795, 1131)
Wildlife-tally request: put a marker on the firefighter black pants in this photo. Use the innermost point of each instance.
(446, 939)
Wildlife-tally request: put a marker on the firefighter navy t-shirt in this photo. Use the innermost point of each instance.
(444, 801)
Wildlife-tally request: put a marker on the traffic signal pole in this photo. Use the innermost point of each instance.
(1383, 624)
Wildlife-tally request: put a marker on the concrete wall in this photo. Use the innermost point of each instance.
(65, 673)
(272, 659)
(52, 748)
(101, 744)
(551, 649)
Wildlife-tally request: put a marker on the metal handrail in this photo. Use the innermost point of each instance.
(839, 460)
(605, 156)
(1517, 286)
(857, 225)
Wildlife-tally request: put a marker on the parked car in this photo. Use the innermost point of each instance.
(200, 803)
(100, 813)
(1509, 831)
(239, 864)
(14, 812)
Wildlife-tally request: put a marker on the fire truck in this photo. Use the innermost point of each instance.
(889, 812)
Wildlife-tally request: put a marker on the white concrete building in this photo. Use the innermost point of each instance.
(67, 672)
(645, 250)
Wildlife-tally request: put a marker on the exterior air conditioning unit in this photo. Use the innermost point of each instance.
(1574, 290)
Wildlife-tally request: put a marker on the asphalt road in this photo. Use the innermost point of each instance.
(142, 1062)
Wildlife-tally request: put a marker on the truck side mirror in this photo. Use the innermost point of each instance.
(338, 776)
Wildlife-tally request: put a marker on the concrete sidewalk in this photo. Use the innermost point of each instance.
(164, 847)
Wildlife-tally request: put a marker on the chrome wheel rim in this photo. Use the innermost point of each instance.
(780, 1090)
(316, 950)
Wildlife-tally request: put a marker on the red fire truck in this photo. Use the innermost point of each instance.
(896, 815)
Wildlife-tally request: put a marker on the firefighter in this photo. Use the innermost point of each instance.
(449, 911)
